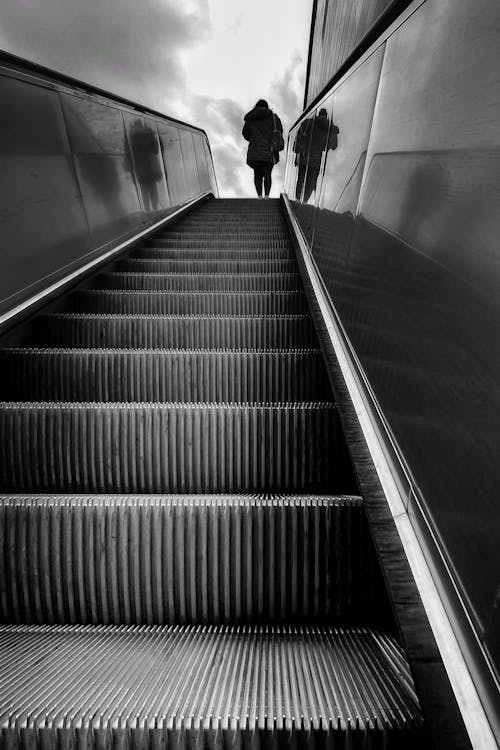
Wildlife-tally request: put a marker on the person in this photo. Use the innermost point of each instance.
(260, 124)
(315, 136)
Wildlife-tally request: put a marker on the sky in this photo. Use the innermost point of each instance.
(204, 61)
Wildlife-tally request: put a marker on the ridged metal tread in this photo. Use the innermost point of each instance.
(223, 242)
(175, 332)
(163, 375)
(167, 265)
(133, 302)
(156, 250)
(199, 559)
(170, 448)
(236, 233)
(194, 687)
(200, 282)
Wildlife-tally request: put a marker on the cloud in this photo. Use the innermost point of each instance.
(142, 51)
(223, 121)
(130, 48)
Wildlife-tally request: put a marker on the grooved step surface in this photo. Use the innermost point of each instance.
(159, 265)
(189, 303)
(187, 559)
(198, 332)
(157, 250)
(200, 282)
(259, 232)
(184, 687)
(103, 448)
(162, 375)
(224, 242)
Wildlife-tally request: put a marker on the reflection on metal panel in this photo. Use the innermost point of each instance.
(104, 167)
(174, 166)
(406, 239)
(41, 213)
(148, 164)
(350, 110)
(80, 171)
(339, 26)
(189, 161)
(211, 171)
(201, 161)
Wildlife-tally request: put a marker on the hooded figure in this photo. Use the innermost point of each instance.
(260, 124)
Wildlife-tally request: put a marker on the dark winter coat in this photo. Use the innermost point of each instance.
(258, 130)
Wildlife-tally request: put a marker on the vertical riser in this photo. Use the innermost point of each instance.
(200, 282)
(158, 561)
(161, 252)
(196, 303)
(221, 241)
(172, 448)
(173, 333)
(54, 375)
(186, 265)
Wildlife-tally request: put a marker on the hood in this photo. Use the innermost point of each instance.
(258, 113)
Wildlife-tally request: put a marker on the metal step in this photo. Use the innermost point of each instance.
(157, 250)
(165, 448)
(246, 240)
(175, 332)
(200, 282)
(195, 687)
(197, 232)
(162, 375)
(167, 265)
(181, 559)
(188, 303)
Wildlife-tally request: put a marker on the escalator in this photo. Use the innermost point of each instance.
(186, 561)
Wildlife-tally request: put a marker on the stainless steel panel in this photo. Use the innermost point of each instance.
(105, 173)
(174, 165)
(201, 161)
(189, 161)
(350, 111)
(42, 221)
(426, 242)
(339, 26)
(406, 239)
(147, 159)
(211, 171)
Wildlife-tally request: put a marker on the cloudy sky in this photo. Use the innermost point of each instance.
(204, 61)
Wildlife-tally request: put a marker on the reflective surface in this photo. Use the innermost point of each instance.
(103, 165)
(41, 207)
(173, 163)
(339, 26)
(147, 161)
(78, 172)
(405, 234)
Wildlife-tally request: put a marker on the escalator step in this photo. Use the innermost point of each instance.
(187, 559)
(162, 375)
(259, 233)
(224, 242)
(200, 282)
(175, 332)
(167, 265)
(162, 448)
(156, 250)
(195, 687)
(188, 303)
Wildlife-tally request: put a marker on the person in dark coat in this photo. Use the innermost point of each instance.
(258, 130)
(315, 136)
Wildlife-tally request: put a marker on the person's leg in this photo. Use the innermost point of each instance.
(267, 178)
(258, 176)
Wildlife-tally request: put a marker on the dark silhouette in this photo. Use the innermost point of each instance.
(314, 136)
(148, 170)
(258, 130)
